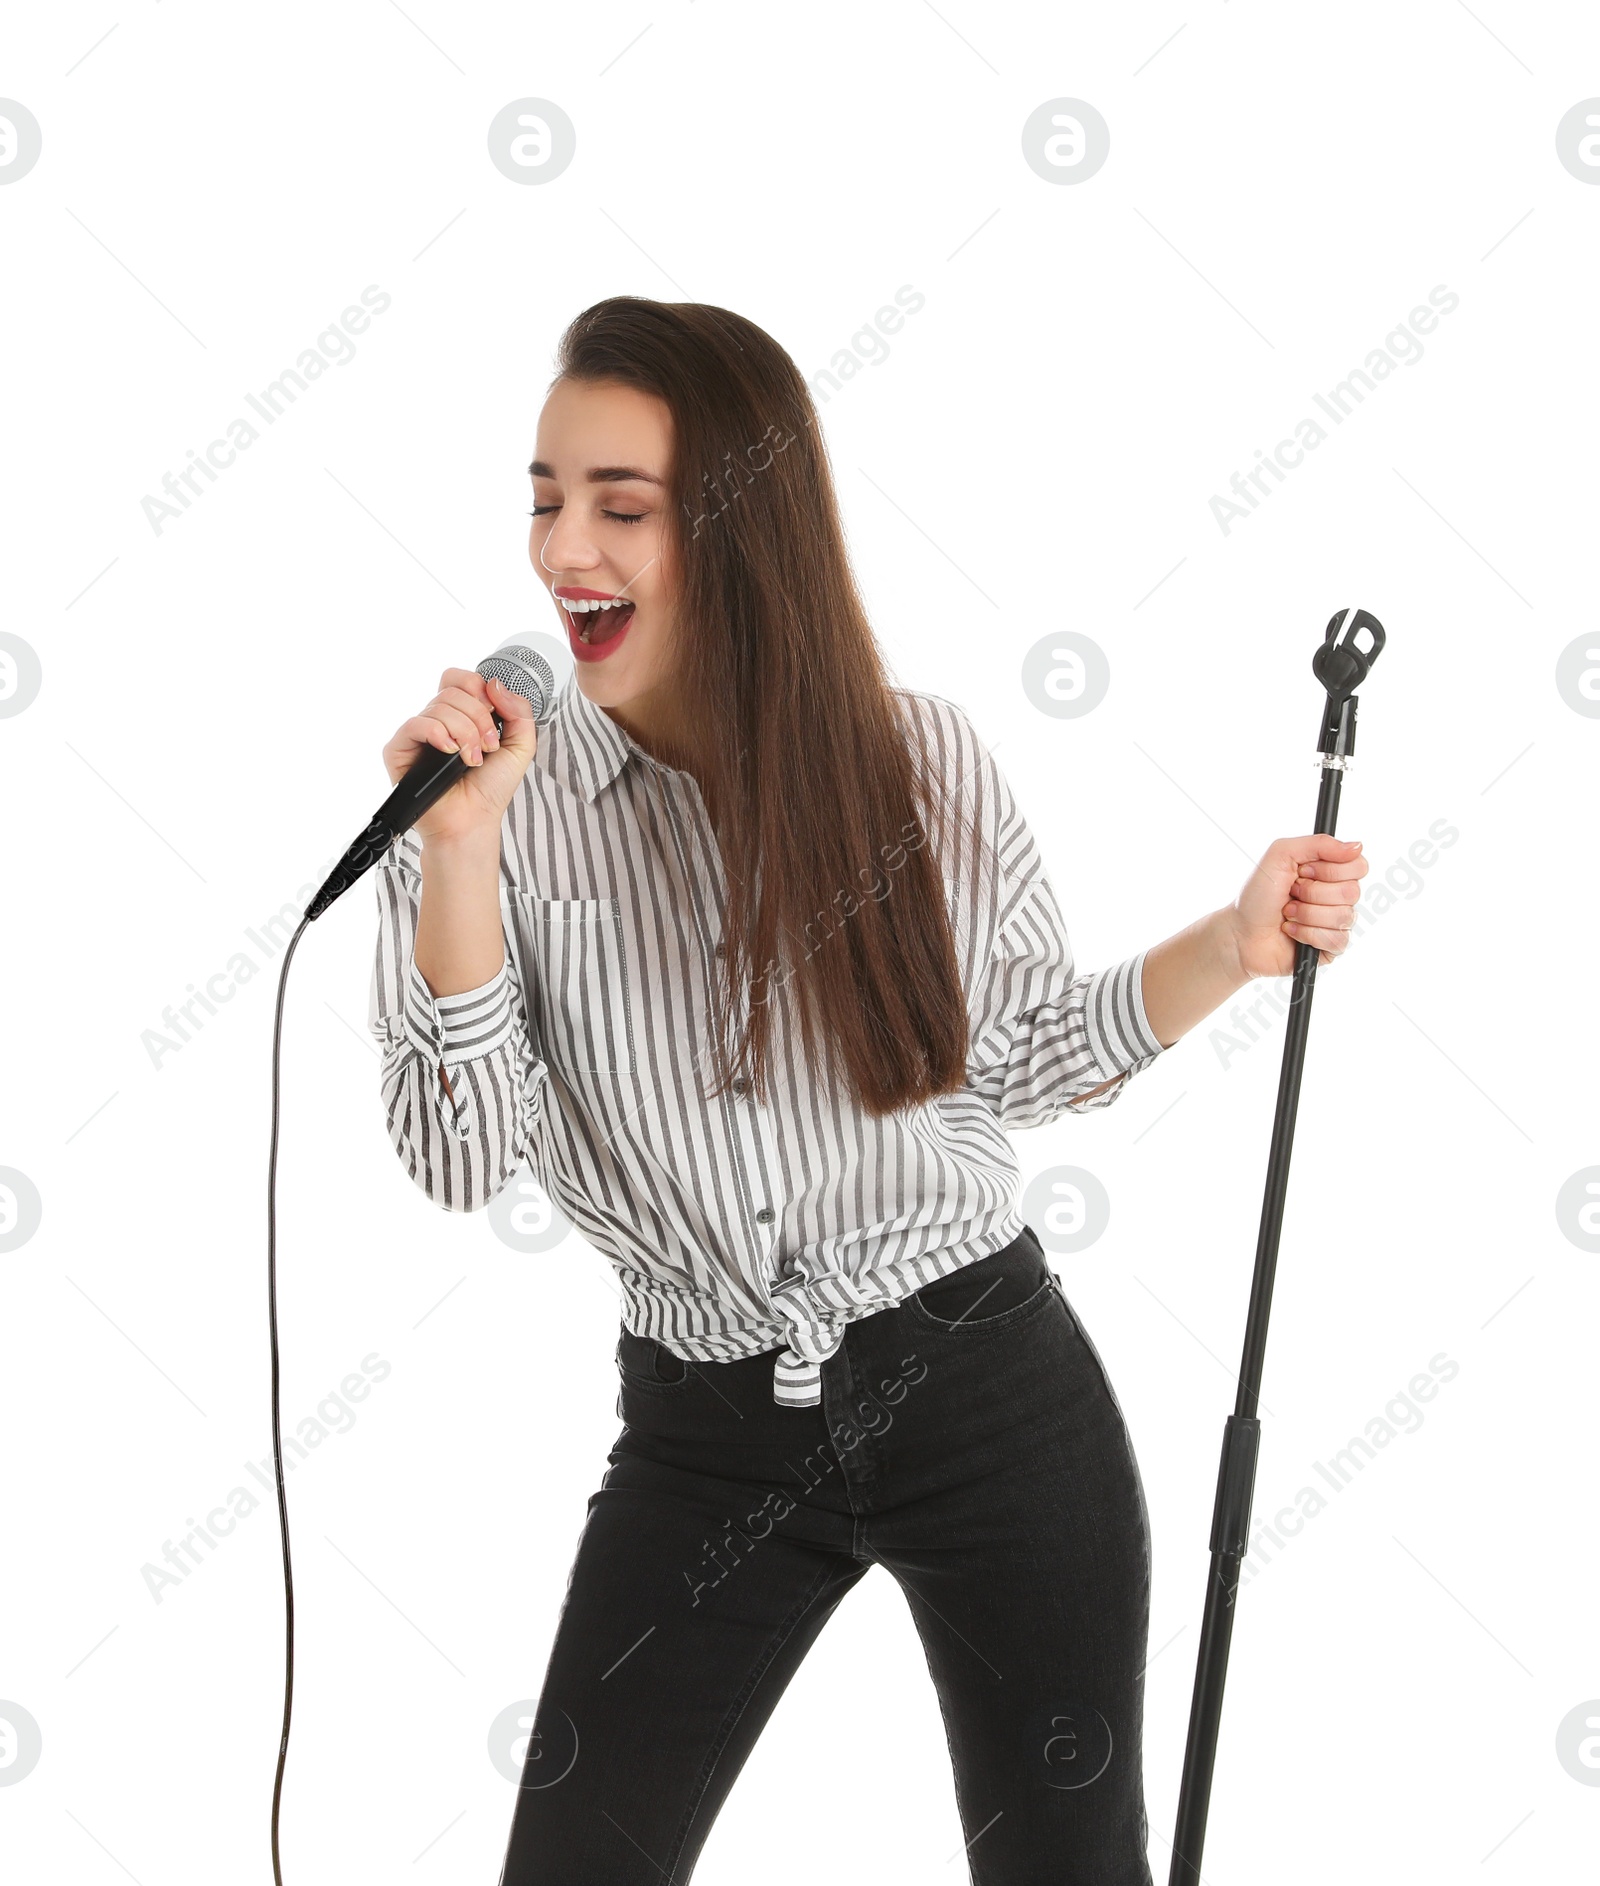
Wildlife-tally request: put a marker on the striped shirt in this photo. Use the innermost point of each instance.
(733, 1226)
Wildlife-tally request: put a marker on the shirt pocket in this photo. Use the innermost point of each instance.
(577, 987)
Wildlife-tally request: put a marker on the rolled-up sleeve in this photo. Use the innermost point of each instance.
(1043, 1036)
(463, 1091)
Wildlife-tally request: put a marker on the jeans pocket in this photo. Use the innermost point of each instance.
(990, 1292)
(643, 1362)
(1088, 1342)
(1122, 1421)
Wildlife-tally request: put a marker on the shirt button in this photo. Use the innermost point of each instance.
(722, 949)
(765, 1215)
(741, 1085)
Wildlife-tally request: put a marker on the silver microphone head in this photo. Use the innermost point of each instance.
(526, 672)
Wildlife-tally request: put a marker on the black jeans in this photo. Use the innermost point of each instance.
(969, 1441)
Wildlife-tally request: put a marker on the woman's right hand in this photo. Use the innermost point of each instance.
(460, 718)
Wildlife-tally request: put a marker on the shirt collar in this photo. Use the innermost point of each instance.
(597, 749)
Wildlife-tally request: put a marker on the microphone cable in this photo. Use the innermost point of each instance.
(525, 672)
(277, 1439)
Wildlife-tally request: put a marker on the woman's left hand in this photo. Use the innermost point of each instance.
(1303, 891)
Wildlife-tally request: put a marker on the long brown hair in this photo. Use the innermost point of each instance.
(802, 753)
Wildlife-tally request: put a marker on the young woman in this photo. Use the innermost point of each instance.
(780, 965)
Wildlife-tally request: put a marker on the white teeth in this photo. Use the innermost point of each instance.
(583, 606)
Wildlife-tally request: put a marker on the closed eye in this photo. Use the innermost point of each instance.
(621, 517)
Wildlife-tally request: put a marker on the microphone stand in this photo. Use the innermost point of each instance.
(1341, 667)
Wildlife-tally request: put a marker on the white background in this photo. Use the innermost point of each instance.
(1037, 451)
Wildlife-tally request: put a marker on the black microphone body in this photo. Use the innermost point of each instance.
(524, 671)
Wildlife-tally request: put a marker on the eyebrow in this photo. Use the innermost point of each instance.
(600, 474)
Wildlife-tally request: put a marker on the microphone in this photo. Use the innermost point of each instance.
(431, 775)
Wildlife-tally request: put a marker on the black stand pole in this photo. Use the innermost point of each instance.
(1341, 667)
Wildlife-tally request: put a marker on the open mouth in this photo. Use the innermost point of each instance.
(598, 622)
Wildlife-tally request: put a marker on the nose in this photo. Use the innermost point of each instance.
(568, 545)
